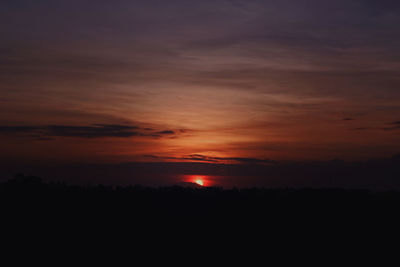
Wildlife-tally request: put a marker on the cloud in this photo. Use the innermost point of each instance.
(203, 158)
(394, 126)
(237, 159)
(17, 129)
(92, 131)
(45, 139)
(165, 132)
(391, 128)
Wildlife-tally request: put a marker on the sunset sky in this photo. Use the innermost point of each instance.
(220, 81)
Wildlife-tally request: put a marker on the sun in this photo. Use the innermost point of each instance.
(199, 182)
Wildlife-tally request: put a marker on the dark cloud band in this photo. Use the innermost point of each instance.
(203, 158)
(93, 131)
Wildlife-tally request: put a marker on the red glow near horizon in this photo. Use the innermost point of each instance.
(200, 180)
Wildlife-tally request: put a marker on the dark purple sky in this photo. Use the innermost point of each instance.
(233, 82)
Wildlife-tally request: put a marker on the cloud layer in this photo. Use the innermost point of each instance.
(233, 79)
(203, 158)
(94, 131)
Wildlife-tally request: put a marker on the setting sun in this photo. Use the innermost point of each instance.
(199, 182)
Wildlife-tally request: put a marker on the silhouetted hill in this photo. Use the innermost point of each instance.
(30, 194)
(32, 210)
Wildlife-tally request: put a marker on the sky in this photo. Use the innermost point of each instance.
(222, 81)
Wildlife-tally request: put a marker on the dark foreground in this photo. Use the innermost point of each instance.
(29, 196)
(335, 216)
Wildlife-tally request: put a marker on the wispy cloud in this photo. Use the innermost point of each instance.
(393, 126)
(203, 158)
(92, 131)
(165, 132)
